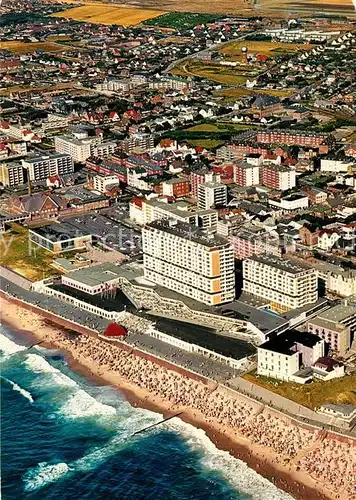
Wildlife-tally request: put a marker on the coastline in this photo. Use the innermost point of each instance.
(263, 460)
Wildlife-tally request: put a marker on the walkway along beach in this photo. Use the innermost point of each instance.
(305, 461)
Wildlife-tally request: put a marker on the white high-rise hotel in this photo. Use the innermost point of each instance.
(190, 261)
(283, 283)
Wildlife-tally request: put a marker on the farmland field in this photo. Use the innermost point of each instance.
(24, 48)
(335, 6)
(98, 13)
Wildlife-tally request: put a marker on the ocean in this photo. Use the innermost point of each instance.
(65, 437)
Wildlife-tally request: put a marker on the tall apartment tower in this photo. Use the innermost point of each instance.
(190, 261)
(246, 174)
(283, 283)
(42, 167)
(11, 174)
(278, 177)
(198, 177)
(211, 194)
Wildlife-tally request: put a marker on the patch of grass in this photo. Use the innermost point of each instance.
(216, 72)
(351, 138)
(206, 143)
(40, 88)
(337, 391)
(58, 38)
(235, 93)
(98, 13)
(218, 127)
(16, 254)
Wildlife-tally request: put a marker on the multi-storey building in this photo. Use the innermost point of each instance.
(108, 166)
(145, 211)
(212, 194)
(297, 138)
(336, 326)
(143, 142)
(283, 356)
(176, 187)
(11, 174)
(78, 146)
(246, 174)
(42, 167)
(285, 284)
(336, 165)
(200, 177)
(190, 261)
(173, 83)
(255, 241)
(101, 182)
(104, 149)
(278, 177)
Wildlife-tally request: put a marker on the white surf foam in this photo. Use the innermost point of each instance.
(38, 364)
(17, 388)
(239, 474)
(44, 474)
(81, 404)
(8, 346)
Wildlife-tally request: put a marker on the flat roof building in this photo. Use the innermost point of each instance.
(336, 326)
(190, 261)
(285, 284)
(284, 355)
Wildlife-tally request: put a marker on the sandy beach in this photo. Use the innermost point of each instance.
(305, 462)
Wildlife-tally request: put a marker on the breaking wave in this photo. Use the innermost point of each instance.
(17, 388)
(239, 474)
(44, 474)
(8, 346)
(81, 404)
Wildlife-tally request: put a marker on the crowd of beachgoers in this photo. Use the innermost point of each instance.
(326, 459)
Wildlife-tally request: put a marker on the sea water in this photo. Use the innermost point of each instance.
(65, 437)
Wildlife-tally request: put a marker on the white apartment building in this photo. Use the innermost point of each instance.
(283, 356)
(54, 121)
(104, 149)
(189, 261)
(101, 182)
(211, 194)
(290, 203)
(285, 284)
(42, 167)
(335, 165)
(293, 35)
(79, 146)
(11, 174)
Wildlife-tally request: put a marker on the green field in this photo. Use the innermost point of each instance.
(217, 127)
(206, 143)
(337, 391)
(179, 20)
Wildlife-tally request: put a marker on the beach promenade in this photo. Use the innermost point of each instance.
(307, 461)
